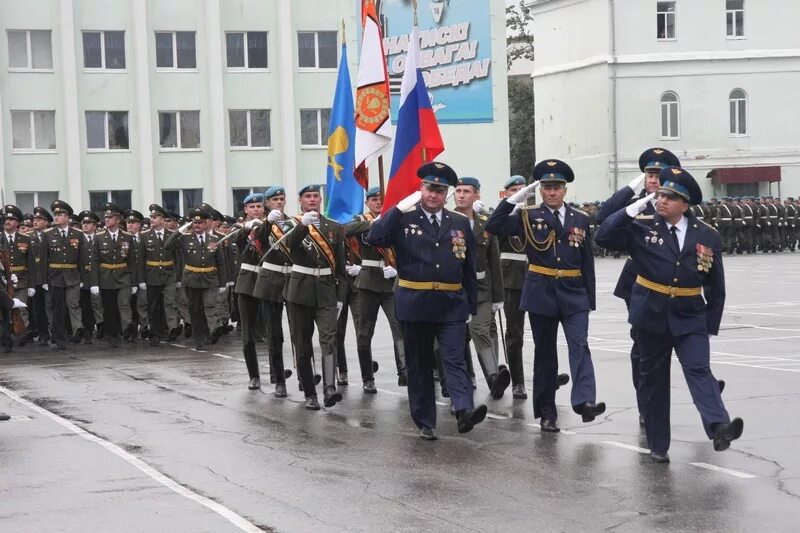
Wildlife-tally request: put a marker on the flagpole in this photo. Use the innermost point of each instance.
(380, 176)
(416, 23)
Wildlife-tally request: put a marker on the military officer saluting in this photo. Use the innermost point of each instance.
(64, 253)
(436, 294)
(23, 262)
(678, 260)
(559, 287)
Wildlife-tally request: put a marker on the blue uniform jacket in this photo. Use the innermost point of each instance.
(657, 259)
(547, 295)
(423, 255)
(618, 200)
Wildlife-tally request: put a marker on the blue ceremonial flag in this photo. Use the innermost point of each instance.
(345, 197)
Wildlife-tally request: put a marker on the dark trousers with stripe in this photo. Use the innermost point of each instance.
(273, 318)
(156, 310)
(515, 332)
(248, 316)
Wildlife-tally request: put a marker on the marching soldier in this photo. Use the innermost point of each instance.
(771, 230)
(113, 276)
(203, 276)
(172, 222)
(761, 223)
(678, 260)
(738, 226)
(315, 293)
(559, 288)
(156, 275)
(375, 282)
(725, 223)
(41, 308)
(791, 223)
(436, 294)
(134, 220)
(490, 284)
(748, 230)
(91, 304)
(222, 312)
(350, 306)
(23, 264)
(65, 254)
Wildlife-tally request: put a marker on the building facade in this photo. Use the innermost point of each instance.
(714, 81)
(184, 101)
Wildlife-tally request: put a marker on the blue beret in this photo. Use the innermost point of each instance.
(437, 173)
(473, 182)
(254, 198)
(274, 191)
(373, 192)
(678, 182)
(513, 181)
(551, 170)
(309, 188)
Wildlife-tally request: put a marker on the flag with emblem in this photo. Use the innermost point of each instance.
(373, 124)
(417, 139)
(344, 196)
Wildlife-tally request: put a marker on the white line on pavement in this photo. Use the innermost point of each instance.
(222, 355)
(229, 515)
(734, 473)
(626, 446)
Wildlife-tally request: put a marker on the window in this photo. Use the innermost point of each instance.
(97, 199)
(26, 201)
(734, 18)
(181, 200)
(107, 130)
(239, 194)
(104, 50)
(30, 50)
(738, 112)
(250, 128)
(176, 50)
(179, 130)
(670, 127)
(247, 50)
(314, 127)
(317, 49)
(33, 131)
(665, 14)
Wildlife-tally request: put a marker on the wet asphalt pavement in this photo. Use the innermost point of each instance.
(170, 439)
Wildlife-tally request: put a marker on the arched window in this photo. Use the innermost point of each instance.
(737, 102)
(670, 119)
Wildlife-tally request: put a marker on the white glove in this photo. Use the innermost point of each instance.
(134, 290)
(222, 289)
(496, 306)
(185, 226)
(46, 287)
(478, 206)
(353, 270)
(19, 304)
(178, 285)
(31, 292)
(639, 205)
(143, 286)
(517, 208)
(409, 201)
(274, 215)
(469, 319)
(14, 279)
(309, 218)
(231, 284)
(94, 290)
(80, 285)
(339, 307)
(523, 194)
(637, 184)
(389, 272)
(250, 223)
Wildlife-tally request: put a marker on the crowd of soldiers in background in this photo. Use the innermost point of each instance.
(746, 224)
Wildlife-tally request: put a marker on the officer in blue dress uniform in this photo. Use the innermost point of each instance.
(436, 294)
(678, 260)
(651, 162)
(559, 287)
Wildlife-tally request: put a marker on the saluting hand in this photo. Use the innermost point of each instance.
(409, 201)
(639, 205)
(523, 194)
(637, 184)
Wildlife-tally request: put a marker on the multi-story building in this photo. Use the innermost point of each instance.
(184, 101)
(714, 81)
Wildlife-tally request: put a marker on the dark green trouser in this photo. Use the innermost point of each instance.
(370, 303)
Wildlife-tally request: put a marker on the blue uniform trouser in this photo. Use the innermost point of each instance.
(418, 340)
(545, 361)
(635, 358)
(693, 352)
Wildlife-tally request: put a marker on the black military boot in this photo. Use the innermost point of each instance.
(101, 331)
(330, 395)
(498, 378)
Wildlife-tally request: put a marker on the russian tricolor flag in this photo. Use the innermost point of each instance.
(417, 139)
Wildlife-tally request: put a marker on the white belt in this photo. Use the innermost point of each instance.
(514, 257)
(721, 218)
(480, 275)
(283, 269)
(373, 263)
(247, 266)
(312, 271)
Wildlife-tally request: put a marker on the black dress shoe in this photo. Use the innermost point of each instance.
(155, 340)
(4, 417)
(549, 426)
(200, 347)
(468, 418)
(78, 337)
(402, 380)
(724, 433)
(428, 434)
(641, 420)
(311, 403)
(499, 383)
(101, 330)
(280, 390)
(369, 387)
(445, 393)
(342, 379)
(518, 392)
(331, 396)
(721, 383)
(589, 411)
(187, 331)
(562, 380)
(255, 384)
(657, 457)
(114, 343)
(215, 335)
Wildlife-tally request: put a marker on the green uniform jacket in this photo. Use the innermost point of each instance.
(270, 283)
(153, 259)
(23, 261)
(370, 278)
(58, 253)
(250, 257)
(113, 263)
(197, 256)
(487, 260)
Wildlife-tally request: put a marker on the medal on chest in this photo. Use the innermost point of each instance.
(459, 244)
(705, 257)
(576, 237)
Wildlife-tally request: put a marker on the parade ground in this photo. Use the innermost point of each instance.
(170, 439)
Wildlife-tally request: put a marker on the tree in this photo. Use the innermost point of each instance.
(521, 126)
(519, 39)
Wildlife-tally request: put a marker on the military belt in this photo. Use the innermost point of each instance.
(200, 270)
(63, 266)
(555, 272)
(113, 266)
(272, 267)
(20, 268)
(480, 275)
(312, 271)
(513, 257)
(249, 267)
(373, 263)
(429, 285)
(668, 290)
(160, 263)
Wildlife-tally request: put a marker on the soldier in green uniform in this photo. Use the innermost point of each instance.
(748, 244)
(39, 306)
(172, 222)
(215, 220)
(761, 219)
(156, 275)
(791, 223)
(203, 274)
(64, 252)
(91, 304)
(771, 230)
(134, 220)
(490, 284)
(23, 263)
(725, 224)
(315, 293)
(780, 233)
(375, 281)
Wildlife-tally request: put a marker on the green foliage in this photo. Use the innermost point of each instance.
(521, 125)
